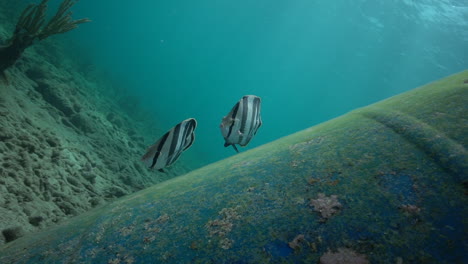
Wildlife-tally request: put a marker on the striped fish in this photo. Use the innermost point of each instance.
(169, 147)
(242, 123)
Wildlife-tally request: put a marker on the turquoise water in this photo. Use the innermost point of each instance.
(310, 61)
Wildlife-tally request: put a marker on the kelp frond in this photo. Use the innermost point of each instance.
(62, 21)
(30, 27)
(32, 19)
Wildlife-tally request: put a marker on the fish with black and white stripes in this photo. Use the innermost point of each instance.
(170, 146)
(242, 122)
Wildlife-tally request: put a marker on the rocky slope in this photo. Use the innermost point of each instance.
(66, 145)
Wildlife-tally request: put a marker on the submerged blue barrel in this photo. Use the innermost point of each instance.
(382, 184)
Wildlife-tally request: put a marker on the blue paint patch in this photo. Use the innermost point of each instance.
(400, 185)
(278, 248)
(356, 234)
(448, 226)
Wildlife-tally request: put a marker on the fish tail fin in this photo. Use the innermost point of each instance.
(234, 146)
(148, 159)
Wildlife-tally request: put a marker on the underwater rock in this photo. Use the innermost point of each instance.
(55, 142)
(114, 191)
(35, 220)
(398, 167)
(11, 234)
(83, 122)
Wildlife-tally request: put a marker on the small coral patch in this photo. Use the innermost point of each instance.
(343, 256)
(220, 228)
(296, 242)
(326, 206)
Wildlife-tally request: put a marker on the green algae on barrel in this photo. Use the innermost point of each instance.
(385, 183)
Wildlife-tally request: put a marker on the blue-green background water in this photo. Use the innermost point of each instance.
(309, 60)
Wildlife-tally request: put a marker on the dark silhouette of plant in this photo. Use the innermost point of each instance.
(31, 27)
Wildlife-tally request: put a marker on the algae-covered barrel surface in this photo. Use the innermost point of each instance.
(382, 184)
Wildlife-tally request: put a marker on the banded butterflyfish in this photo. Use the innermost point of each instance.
(170, 146)
(242, 122)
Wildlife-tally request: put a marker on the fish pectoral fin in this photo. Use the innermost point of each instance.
(234, 146)
(230, 120)
(189, 142)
